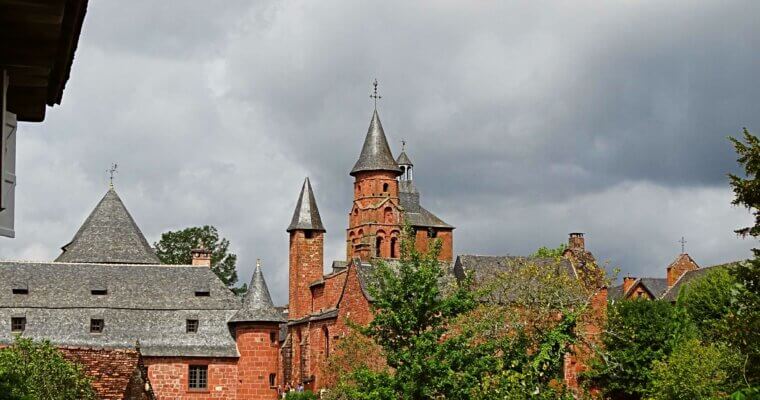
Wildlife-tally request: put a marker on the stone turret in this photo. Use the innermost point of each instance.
(306, 251)
(257, 333)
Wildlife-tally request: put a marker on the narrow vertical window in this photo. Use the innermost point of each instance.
(273, 337)
(378, 246)
(272, 380)
(326, 335)
(394, 243)
(197, 377)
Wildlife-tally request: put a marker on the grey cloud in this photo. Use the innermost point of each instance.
(524, 121)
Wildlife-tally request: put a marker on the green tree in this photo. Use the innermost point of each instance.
(546, 252)
(37, 371)
(637, 334)
(695, 370)
(175, 246)
(440, 339)
(746, 327)
(708, 301)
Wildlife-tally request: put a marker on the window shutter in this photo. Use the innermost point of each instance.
(8, 175)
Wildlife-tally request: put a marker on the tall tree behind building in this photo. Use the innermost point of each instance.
(175, 247)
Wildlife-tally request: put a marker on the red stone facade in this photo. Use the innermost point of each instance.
(254, 375)
(116, 373)
(683, 264)
(374, 223)
(306, 267)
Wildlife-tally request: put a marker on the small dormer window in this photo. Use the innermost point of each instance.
(191, 326)
(98, 288)
(97, 325)
(202, 289)
(20, 288)
(202, 293)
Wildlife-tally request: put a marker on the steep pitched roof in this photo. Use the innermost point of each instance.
(306, 215)
(376, 154)
(109, 235)
(149, 303)
(257, 303)
(414, 213)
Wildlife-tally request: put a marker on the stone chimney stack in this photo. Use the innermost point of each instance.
(201, 255)
(627, 283)
(576, 241)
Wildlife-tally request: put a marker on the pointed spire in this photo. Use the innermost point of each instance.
(403, 159)
(257, 304)
(109, 235)
(306, 216)
(376, 154)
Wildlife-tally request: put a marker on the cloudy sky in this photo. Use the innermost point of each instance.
(525, 121)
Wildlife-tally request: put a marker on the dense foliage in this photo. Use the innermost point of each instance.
(638, 333)
(546, 252)
(696, 370)
(746, 329)
(437, 338)
(708, 303)
(175, 246)
(37, 371)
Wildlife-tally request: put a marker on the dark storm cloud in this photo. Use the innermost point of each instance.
(525, 121)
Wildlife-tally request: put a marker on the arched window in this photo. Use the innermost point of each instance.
(388, 215)
(326, 335)
(394, 250)
(378, 245)
(385, 187)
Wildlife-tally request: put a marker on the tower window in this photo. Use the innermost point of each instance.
(197, 377)
(191, 326)
(378, 246)
(394, 242)
(96, 325)
(273, 337)
(308, 234)
(326, 335)
(385, 187)
(18, 324)
(432, 233)
(272, 380)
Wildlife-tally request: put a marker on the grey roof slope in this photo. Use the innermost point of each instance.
(109, 235)
(414, 213)
(149, 303)
(306, 214)
(376, 154)
(403, 159)
(656, 286)
(257, 303)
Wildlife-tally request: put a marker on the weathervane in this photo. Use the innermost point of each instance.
(111, 171)
(683, 245)
(374, 94)
(403, 145)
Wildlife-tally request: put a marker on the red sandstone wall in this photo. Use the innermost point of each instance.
(168, 377)
(259, 357)
(111, 370)
(680, 266)
(589, 330)
(306, 266)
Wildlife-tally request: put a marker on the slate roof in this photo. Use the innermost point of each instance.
(109, 235)
(257, 303)
(414, 213)
(376, 154)
(656, 286)
(306, 215)
(403, 159)
(149, 303)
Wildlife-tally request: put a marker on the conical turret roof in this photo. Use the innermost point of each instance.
(403, 159)
(376, 154)
(306, 216)
(257, 303)
(109, 235)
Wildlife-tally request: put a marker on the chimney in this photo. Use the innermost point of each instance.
(627, 283)
(201, 255)
(576, 242)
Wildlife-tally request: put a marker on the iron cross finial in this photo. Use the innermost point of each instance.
(683, 245)
(403, 145)
(111, 171)
(374, 94)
